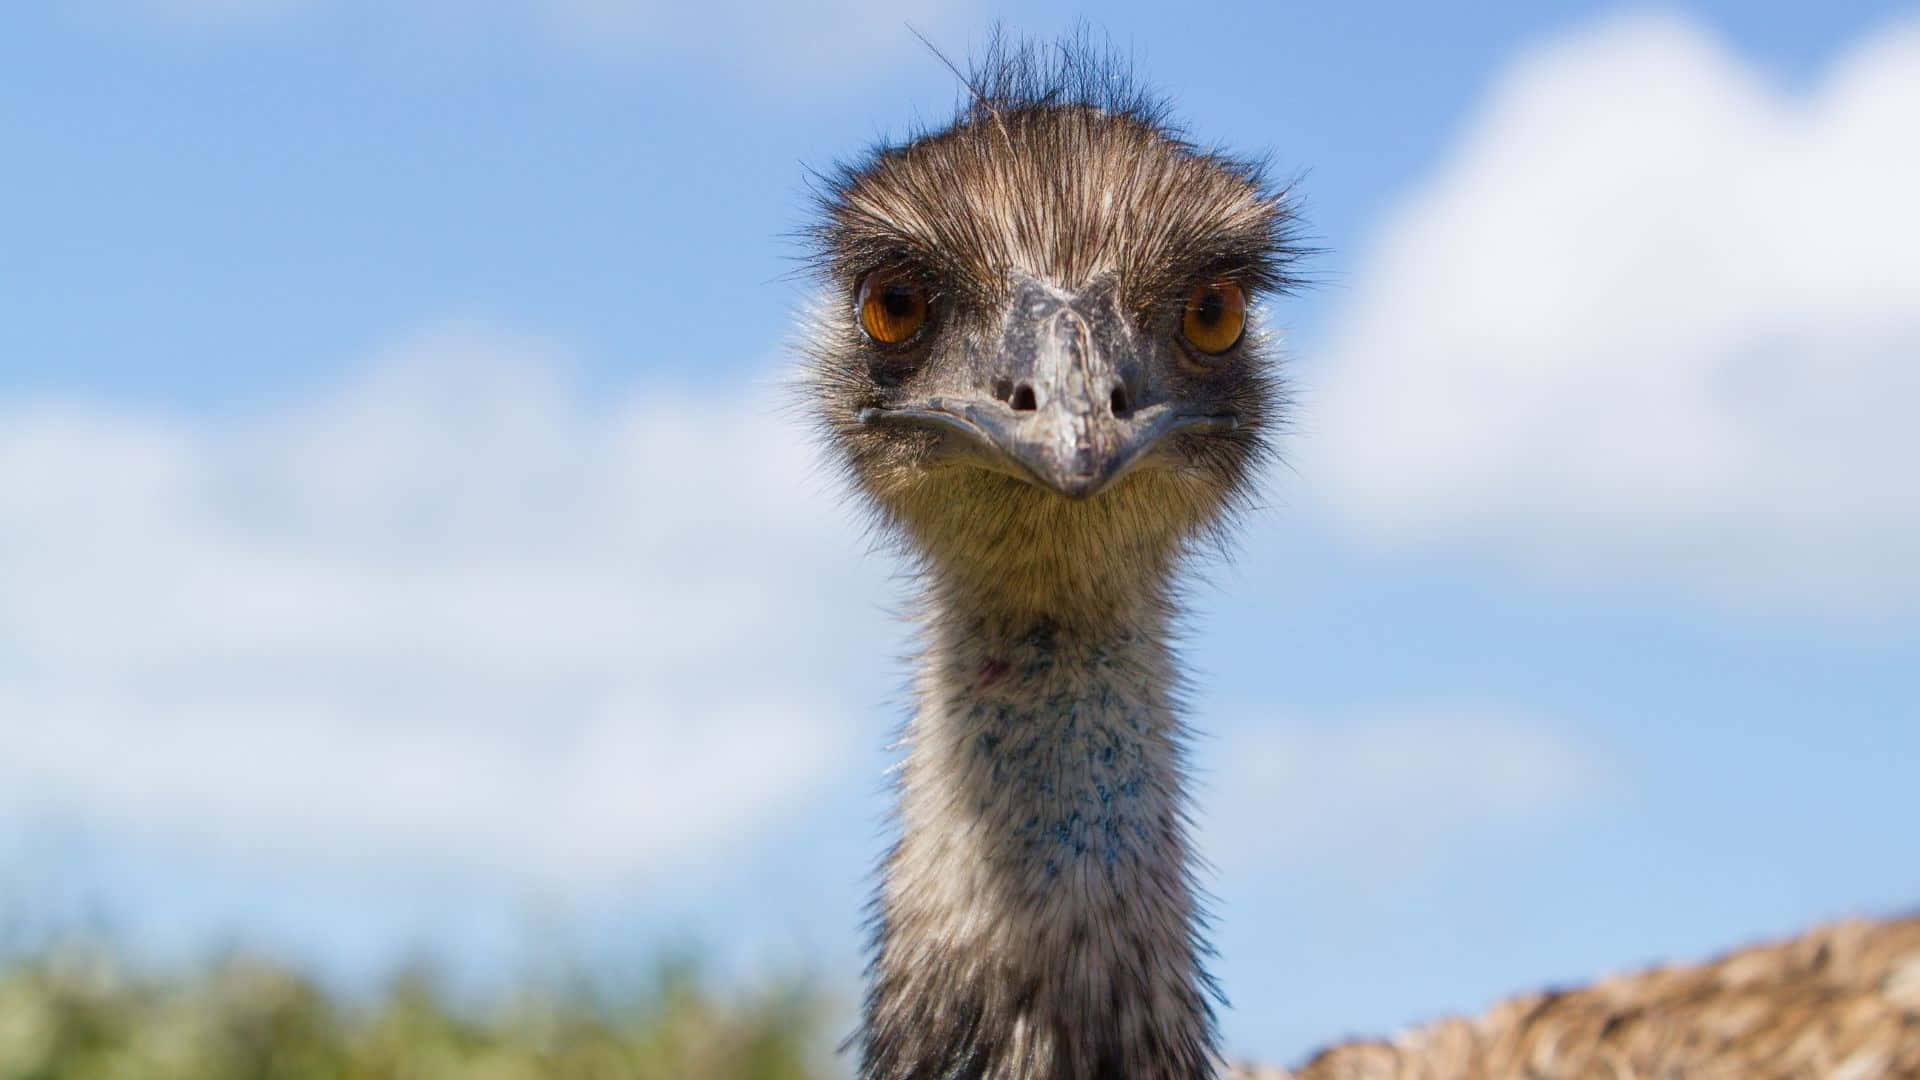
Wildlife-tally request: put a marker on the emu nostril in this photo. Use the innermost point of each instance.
(1002, 389)
(1118, 401)
(1023, 400)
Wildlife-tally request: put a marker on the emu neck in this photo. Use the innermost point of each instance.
(1037, 919)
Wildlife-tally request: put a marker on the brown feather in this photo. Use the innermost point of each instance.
(1840, 1002)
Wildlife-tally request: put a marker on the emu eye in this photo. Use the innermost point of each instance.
(1216, 314)
(893, 306)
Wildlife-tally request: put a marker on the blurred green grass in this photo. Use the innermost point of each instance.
(74, 1012)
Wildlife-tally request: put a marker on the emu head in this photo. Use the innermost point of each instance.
(1037, 353)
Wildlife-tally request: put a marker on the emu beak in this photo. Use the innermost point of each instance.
(1065, 403)
(1060, 449)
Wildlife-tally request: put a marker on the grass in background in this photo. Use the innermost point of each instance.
(73, 1011)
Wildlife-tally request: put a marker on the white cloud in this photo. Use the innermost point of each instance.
(1383, 784)
(454, 613)
(1654, 320)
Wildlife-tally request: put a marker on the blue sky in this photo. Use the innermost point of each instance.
(392, 485)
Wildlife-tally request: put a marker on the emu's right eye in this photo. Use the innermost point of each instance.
(892, 306)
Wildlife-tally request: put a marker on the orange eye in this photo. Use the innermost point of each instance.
(893, 306)
(1216, 314)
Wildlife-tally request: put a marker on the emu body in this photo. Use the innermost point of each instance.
(1037, 379)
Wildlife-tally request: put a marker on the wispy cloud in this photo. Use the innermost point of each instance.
(1368, 789)
(1653, 321)
(451, 613)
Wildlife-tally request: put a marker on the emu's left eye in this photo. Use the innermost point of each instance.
(1216, 315)
(892, 306)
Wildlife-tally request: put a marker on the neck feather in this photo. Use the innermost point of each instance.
(1037, 918)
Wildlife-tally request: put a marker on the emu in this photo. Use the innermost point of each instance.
(1038, 361)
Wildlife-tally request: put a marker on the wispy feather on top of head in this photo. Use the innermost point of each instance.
(1013, 73)
(1013, 78)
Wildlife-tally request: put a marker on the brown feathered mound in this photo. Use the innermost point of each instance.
(1841, 1002)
